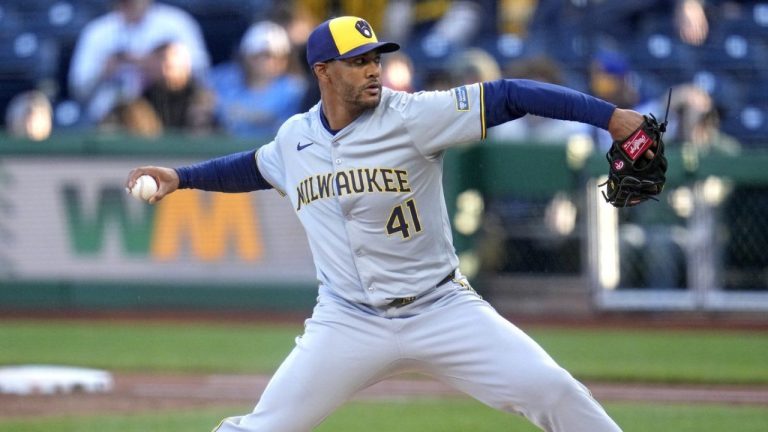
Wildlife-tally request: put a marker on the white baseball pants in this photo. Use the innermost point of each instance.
(451, 334)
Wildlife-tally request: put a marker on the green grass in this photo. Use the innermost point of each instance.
(452, 415)
(602, 354)
(590, 354)
(138, 346)
(659, 355)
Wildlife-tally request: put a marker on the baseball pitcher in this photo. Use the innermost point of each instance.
(362, 170)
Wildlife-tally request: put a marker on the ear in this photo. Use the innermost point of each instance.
(321, 71)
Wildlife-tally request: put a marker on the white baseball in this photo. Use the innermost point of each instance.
(144, 188)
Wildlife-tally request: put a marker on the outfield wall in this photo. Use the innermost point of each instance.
(71, 238)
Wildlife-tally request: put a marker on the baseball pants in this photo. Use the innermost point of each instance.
(451, 334)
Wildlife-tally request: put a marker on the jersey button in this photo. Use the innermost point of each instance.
(338, 161)
(359, 252)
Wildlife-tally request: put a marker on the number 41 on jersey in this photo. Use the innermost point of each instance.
(398, 222)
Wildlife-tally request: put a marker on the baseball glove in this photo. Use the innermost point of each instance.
(633, 177)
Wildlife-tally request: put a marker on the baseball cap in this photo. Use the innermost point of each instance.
(344, 37)
(265, 36)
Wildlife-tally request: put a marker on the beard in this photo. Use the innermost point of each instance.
(359, 98)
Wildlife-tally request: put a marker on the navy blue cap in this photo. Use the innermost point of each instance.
(344, 37)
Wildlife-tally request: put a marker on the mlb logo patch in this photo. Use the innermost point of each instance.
(462, 98)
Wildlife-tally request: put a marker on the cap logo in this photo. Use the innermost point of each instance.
(364, 28)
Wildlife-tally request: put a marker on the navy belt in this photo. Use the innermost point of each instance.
(402, 301)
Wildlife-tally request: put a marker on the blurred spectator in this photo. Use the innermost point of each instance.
(653, 238)
(431, 27)
(179, 100)
(515, 16)
(255, 94)
(373, 11)
(437, 79)
(694, 122)
(29, 115)
(707, 137)
(610, 80)
(110, 61)
(136, 117)
(691, 21)
(397, 72)
(474, 65)
(467, 66)
(437, 28)
(532, 128)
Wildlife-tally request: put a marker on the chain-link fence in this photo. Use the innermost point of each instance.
(744, 231)
(702, 245)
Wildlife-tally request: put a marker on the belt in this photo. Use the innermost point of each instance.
(403, 301)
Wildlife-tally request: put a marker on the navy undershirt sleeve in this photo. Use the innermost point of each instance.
(509, 99)
(237, 172)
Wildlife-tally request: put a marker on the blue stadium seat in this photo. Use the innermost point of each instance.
(727, 92)
(62, 20)
(573, 50)
(67, 114)
(223, 22)
(19, 54)
(34, 5)
(11, 22)
(749, 125)
(649, 86)
(738, 45)
(504, 48)
(251, 10)
(759, 16)
(661, 52)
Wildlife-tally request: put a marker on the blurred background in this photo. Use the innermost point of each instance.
(91, 88)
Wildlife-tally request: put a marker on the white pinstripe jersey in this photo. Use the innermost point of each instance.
(370, 197)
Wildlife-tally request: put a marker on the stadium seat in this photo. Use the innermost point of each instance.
(749, 124)
(504, 48)
(572, 51)
(11, 22)
(728, 93)
(223, 22)
(738, 45)
(661, 52)
(62, 20)
(67, 114)
(759, 17)
(649, 86)
(19, 55)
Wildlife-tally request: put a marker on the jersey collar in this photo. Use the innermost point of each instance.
(324, 121)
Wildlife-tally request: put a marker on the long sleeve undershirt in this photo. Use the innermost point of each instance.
(505, 100)
(510, 99)
(236, 172)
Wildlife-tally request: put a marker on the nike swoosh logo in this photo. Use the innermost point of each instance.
(301, 146)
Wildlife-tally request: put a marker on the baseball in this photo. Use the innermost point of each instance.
(144, 188)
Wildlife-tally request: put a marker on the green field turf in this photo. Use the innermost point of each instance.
(453, 415)
(589, 353)
(593, 353)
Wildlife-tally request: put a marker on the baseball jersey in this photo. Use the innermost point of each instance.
(370, 197)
